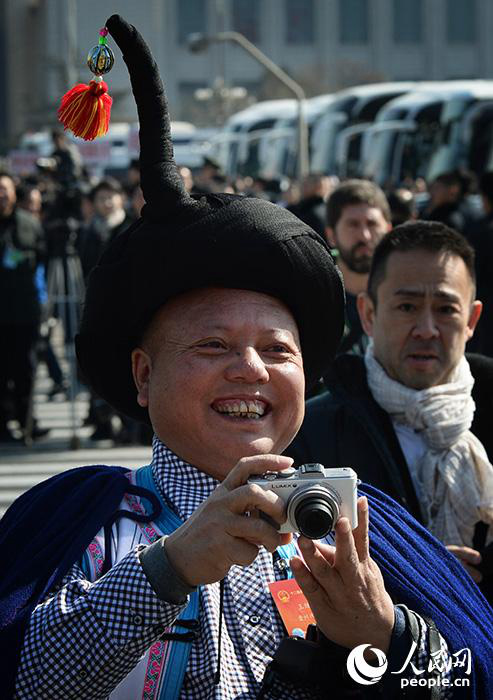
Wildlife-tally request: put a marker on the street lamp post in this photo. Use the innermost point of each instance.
(199, 42)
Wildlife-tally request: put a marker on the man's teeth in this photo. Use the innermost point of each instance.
(242, 409)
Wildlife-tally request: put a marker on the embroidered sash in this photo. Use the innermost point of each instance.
(177, 652)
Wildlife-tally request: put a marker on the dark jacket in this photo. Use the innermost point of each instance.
(21, 251)
(311, 210)
(93, 239)
(481, 238)
(346, 427)
(354, 339)
(458, 215)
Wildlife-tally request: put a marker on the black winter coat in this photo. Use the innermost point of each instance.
(346, 427)
(21, 251)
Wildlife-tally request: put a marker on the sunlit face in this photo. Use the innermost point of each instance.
(424, 316)
(221, 373)
(357, 232)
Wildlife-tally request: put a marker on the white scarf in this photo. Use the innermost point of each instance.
(455, 475)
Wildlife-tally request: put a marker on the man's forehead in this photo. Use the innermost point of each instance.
(6, 181)
(362, 210)
(433, 289)
(106, 192)
(221, 309)
(423, 272)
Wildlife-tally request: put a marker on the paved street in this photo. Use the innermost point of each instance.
(22, 467)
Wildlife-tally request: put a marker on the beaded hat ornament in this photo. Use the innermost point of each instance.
(85, 109)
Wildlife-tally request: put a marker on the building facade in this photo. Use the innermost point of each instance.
(323, 44)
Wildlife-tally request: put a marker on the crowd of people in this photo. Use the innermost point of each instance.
(61, 212)
(54, 226)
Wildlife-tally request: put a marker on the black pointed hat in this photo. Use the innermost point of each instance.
(183, 243)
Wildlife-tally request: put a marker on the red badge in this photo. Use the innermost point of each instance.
(293, 607)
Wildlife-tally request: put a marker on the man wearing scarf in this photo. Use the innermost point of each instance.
(205, 318)
(409, 400)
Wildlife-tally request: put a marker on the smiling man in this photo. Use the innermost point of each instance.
(410, 399)
(203, 349)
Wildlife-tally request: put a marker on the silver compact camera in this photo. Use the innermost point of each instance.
(315, 497)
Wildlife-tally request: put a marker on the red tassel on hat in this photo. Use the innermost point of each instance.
(85, 109)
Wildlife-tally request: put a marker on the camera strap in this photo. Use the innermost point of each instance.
(281, 559)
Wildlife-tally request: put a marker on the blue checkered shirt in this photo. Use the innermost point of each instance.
(87, 636)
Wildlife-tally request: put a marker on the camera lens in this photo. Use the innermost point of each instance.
(313, 511)
(316, 517)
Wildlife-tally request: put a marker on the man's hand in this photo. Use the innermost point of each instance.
(221, 532)
(467, 556)
(344, 586)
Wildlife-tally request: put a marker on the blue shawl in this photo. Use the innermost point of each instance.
(49, 527)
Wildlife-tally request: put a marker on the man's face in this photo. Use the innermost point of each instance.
(424, 316)
(442, 193)
(7, 196)
(357, 232)
(221, 373)
(33, 202)
(106, 202)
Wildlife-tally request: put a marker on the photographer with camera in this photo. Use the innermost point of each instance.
(68, 163)
(155, 583)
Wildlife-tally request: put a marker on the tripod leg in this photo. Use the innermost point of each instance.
(64, 292)
(75, 295)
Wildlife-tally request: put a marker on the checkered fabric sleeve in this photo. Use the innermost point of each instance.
(422, 657)
(83, 640)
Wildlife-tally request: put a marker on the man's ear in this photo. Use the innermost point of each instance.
(476, 309)
(366, 310)
(141, 371)
(330, 236)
